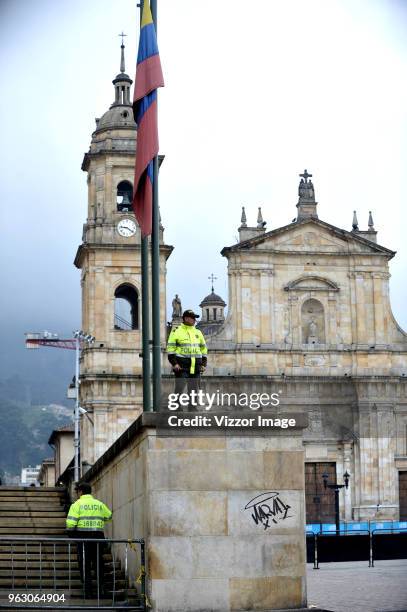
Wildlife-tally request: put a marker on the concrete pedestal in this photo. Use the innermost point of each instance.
(223, 518)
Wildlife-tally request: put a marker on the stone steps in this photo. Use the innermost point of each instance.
(60, 582)
(27, 531)
(36, 491)
(32, 521)
(32, 511)
(27, 495)
(33, 563)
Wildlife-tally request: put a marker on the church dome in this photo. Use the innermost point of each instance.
(117, 116)
(213, 315)
(122, 77)
(212, 299)
(120, 113)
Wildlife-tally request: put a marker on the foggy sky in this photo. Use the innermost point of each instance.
(255, 93)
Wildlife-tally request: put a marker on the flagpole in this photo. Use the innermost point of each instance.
(155, 269)
(145, 311)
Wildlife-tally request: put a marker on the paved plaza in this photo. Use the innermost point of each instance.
(355, 587)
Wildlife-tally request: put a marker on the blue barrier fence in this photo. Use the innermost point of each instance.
(349, 527)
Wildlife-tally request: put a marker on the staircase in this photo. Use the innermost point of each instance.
(28, 511)
(36, 565)
(34, 512)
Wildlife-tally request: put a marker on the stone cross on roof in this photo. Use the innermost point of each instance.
(212, 278)
(306, 201)
(305, 175)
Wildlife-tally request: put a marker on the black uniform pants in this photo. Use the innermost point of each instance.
(185, 379)
(191, 382)
(90, 557)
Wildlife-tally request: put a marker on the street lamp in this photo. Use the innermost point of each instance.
(34, 341)
(336, 487)
(79, 336)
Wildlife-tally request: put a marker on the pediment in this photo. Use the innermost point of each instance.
(311, 283)
(311, 236)
(310, 239)
(316, 239)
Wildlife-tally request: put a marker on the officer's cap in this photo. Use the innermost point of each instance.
(190, 313)
(85, 487)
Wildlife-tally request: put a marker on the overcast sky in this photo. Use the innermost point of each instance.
(255, 92)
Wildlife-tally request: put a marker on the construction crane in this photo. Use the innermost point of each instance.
(45, 338)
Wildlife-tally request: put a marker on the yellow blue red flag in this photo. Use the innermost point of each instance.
(148, 78)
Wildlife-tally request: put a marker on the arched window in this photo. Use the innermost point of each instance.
(124, 196)
(126, 308)
(312, 322)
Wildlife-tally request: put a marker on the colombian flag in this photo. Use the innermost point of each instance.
(148, 78)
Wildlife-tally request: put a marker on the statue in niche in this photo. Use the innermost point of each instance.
(176, 307)
(312, 332)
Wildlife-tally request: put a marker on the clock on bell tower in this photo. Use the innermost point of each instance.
(110, 262)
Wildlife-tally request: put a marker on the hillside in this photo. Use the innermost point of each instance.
(25, 431)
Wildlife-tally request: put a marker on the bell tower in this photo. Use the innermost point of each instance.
(109, 258)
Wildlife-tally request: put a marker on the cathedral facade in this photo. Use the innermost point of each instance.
(309, 317)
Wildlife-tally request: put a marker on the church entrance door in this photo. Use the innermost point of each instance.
(403, 495)
(319, 502)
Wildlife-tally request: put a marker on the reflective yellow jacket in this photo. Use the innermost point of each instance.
(186, 342)
(88, 514)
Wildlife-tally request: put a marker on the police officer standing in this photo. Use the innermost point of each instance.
(187, 353)
(86, 519)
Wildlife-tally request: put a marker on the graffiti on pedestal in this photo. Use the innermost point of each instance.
(268, 508)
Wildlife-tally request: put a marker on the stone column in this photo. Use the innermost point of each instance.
(360, 309)
(386, 446)
(103, 320)
(295, 320)
(238, 311)
(331, 333)
(272, 301)
(265, 315)
(247, 307)
(255, 310)
(352, 308)
(347, 466)
(101, 434)
(100, 196)
(367, 477)
(91, 195)
(109, 188)
(84, 301)
(378, 308)
(232, 310)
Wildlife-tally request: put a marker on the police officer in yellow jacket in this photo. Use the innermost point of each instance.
(187, 353)
(86, 519)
